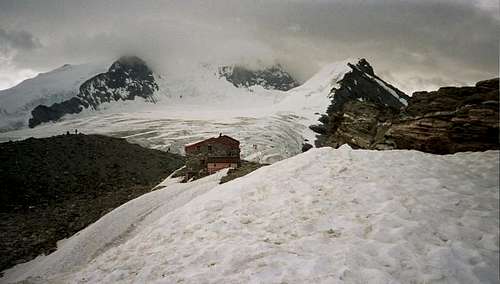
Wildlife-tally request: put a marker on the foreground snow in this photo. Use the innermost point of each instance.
(325, 216)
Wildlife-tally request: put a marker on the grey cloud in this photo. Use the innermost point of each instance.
(18, 40)
(417, 43)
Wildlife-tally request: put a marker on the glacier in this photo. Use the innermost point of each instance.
(197, 104)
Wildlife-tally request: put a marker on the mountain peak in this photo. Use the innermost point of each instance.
(129, 63)
(364, 66)
(127, 78)
(362, 83)
(360, 93)
(129, 60)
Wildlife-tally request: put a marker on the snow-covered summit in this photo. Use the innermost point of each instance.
(127, 78)
(46, 88)
(325, 80)
(348, 80)
(325, 216)
(60, 83)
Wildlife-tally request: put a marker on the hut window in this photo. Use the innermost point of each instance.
(209, 148)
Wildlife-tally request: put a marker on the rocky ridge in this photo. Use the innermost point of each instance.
(368, 113)
(449, 120)
(359, 106)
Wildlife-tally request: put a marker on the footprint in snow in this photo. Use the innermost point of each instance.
(214, 206)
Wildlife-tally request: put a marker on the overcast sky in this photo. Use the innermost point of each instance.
(415, 44)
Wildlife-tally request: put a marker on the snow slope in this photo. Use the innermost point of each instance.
(324, 216)
(47, 88)
(312, 98)
(117, 226)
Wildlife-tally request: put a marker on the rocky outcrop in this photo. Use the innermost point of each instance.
(449, 120)
(358, 123)
(128, 78)
(43, 113)
(363, 84)
(272, 78)
(306, 147)
(360, 106)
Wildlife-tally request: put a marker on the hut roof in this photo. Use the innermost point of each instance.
(224, 139)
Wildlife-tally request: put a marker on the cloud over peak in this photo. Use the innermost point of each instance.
(417, 43)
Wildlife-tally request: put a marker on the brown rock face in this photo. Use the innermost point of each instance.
(449, 120)
(359, 109)
(358, 124)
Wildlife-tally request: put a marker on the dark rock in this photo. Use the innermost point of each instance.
(93, 176)
(43, 113)
(127, 78)
(306, 147)
(491, 84)
(324, 119)
(362, 104)
(359, 124)
(270, 78)
(318, 128)
(362, 84)
(452, 119)
(365, 113)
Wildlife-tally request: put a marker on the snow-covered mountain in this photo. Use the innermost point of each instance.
(199, 103)
(325, 216)
(128, 78)
(48, 88)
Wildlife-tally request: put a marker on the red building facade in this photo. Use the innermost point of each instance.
(213, 154)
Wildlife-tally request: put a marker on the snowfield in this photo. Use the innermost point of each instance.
(324, 216)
